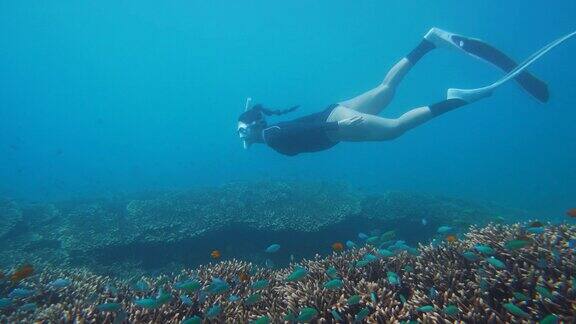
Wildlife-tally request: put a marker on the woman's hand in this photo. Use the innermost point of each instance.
(350, 122)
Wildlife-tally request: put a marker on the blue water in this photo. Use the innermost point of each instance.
(106, 97)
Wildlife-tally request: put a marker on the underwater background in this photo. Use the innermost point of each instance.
(126, 194)
(108, 97)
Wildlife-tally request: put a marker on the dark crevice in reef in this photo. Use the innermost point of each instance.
(248, 243)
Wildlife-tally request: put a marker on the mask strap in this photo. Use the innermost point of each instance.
(248, 101)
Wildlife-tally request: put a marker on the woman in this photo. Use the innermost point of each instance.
(357, 120)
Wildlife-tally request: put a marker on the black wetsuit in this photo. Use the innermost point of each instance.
(305, 134)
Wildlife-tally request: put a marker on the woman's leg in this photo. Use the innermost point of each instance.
(375, 128)
(375, 100)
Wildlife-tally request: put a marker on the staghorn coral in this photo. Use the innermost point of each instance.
(543, 271)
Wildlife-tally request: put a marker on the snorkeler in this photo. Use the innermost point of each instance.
(357, 120)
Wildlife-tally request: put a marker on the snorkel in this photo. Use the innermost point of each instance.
(245, 125)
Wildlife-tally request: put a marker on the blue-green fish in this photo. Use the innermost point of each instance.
(141, 286)
(350, 244)
(432, 293)
(261, 320)
(353, 300)
(148, 303)
(373, 297)
(336, 316)
(402, 299)
(297, 274)
(516, 244)
(362, 314)
(425, 308)
(260, 284)
(550, 319)
(370, 257)
(253, 299)
(214, 311)
(28, 307)
(289, 317)
(444, 230)
(362, 263)
(496, 263)
(272, 248)
(218, 286)
(470, 256)
(233, 298)
(332, 272)
(373, 240)
(535, 230)
(189, 286)
(520, 296)
(451, 310)
(108, 307)
(59, 283)
(408, 268)
(413, 251)
(387, 236)
(192, 320)
(5, 303)
(163, 297)
(515, 310)
(333, 284)
(186, 300)
(362, 236)
(20, 293)
(484, 249)
(544, 292)
(393, 278)
(385, 253)
(306, 314)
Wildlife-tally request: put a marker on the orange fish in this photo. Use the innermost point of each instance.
(571, 212)
(243, 277)
(215, 254)
(337, 246)
(451, 238)
(22, 273)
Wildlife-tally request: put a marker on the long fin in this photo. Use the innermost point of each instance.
(471, 95)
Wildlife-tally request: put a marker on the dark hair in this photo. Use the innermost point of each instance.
(256, 113)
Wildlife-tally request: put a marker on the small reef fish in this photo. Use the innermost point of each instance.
(261, 320)
(550, 319)
(253, 299)
(385, 253)
(571, 243)
(515, 310)
(163, 297)
(202, 295)
(425, 309)
(362, 314)
(424, 222)
(362, 236)
(451, 310)
(496, 263)
(443, 230)
(5, 303)
(147, 303)
(373, 240)
(22, 273)
(470, 256)
(269, 264)
(451, 238)
(388, 236)
(350, 244)
(402, 299)
(520, 296)
(189, 286)
(186, 300)
(59, 283)
(353, 300)
(370, 257)
(233, 298)
(432, 293)
(218, 286)
(18, 293)
(336, 316)
(289, 317)
(108, 307)
(260, 284)
(272, 248)
(571, 212)
(516, 244)
(337, 246)
(408, 268)
(214, 311)
(28, 307)
(215, 254)
(306, 314)
(192, 320)
(141, 286)
(545, 293)
(297, 274)
(373, 297)
(393, 278)
(333, 284)
(332, 272)
(484, 249)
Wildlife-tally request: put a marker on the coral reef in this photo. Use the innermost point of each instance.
(532, 277)
(157, 229)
